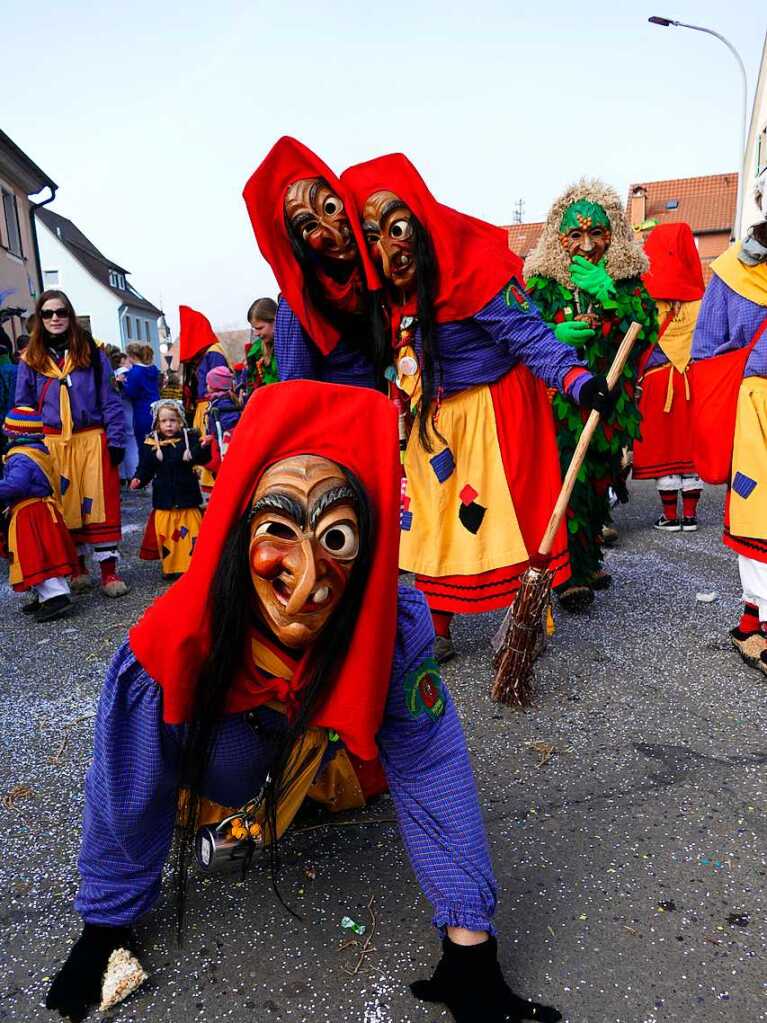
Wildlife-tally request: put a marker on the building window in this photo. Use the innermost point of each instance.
(128, 327)
(51, 278)
(761, 152)
(116, 280)
(148, 330)
(138, 329)
(13, 232)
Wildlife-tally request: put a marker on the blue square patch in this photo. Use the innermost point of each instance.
(743, 485)
(443, 465)
(406, 520)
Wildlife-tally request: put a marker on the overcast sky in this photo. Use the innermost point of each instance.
(152, 116)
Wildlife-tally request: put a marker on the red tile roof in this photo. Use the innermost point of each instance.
(523, 237)
(706, 203)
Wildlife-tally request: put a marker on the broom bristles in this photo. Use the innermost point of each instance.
(513, 663)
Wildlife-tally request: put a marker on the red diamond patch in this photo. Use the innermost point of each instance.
(468, 494)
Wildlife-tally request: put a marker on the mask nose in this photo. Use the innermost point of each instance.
(385, 259)
(587, 245)
(306, 571)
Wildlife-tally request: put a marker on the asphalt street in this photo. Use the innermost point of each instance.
(631, 863)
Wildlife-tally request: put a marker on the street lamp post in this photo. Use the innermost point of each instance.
(667, 23)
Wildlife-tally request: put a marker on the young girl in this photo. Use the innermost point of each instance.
(40, 549)
(167, 457)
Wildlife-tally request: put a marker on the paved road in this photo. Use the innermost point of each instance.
(631, 865)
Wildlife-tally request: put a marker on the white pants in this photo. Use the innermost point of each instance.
(683, 483)
(753, 579)
(50, 588)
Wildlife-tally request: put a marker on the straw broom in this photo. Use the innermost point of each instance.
(513, 663)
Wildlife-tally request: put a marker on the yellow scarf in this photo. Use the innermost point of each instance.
(747, 281)
(62, 375)
(676, 340)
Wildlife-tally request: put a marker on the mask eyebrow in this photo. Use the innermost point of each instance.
(342, 494)
(301, 219)
(282, 503)
(372, 226)
(391, 206)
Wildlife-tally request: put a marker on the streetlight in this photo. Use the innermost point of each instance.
(167, 354)
(667, 23)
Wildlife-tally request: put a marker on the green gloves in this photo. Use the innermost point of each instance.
(572, 332)
(594, 279)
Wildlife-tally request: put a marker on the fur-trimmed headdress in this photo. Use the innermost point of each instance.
(625, 257)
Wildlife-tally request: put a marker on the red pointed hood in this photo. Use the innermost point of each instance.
(286, 162)
(675, 272)
(473, 257)
(174, 637)
(195, 333)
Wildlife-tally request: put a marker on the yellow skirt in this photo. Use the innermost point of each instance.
(78, 463)
(748, 493)
(458, 515)
(170, 537)
(207, 479)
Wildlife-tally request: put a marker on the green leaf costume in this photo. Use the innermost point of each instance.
(623, 299)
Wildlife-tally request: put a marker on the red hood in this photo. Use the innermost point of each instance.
(675, 272)
(173, 638)
(286, 162)
(473, 257)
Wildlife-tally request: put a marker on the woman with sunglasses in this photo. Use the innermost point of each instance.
(68, 379)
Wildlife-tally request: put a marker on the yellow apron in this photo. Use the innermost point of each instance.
(79, 466)
(466, 469)
(177, 530)
(748, 494)
(207, 479)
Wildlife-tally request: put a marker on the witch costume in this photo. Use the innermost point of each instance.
(306, 651)
(322, 327)
(473, 361)
(585, 276)
(664, 451)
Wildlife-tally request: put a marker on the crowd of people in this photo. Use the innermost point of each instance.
(409, 405)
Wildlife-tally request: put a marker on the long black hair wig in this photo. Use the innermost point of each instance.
(231, 613)
(426, 279)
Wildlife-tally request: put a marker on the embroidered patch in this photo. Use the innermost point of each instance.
(406, 520)
(87, 505)
(443, 465)
(471, 516)
(63, 485)
(743, 485)
(423, 691)
(516, 296)
(184, 532)
(468, 494)
(164, 552)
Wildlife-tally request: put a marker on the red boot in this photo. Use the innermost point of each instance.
(111, 583)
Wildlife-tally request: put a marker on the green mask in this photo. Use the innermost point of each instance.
(583, 210)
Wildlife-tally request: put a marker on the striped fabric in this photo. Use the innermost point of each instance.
(131, 789)
(23, 421)
(727, 321)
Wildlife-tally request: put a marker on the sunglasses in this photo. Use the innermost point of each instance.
(48, 314)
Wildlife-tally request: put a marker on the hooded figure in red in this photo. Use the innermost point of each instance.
(300, 215)
(481, 463)
(283, 664)
(665, 450)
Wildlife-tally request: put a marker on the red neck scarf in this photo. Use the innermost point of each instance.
(174, 637)
(675, 272)
(289, 161)
(473, 258)
(195, 333)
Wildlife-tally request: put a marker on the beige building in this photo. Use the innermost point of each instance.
(755, 164)
(20, 276)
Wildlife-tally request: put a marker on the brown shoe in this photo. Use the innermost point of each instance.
(751, 646)
(80, 583)
(576, 598)
(609, 536)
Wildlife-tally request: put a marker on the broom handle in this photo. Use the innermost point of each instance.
(560, 508)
